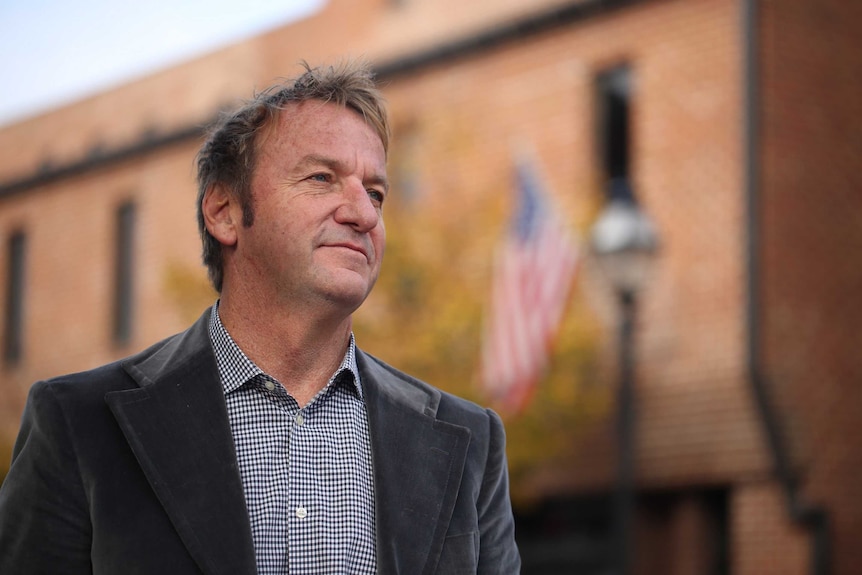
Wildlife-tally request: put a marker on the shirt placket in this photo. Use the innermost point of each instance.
(303, 503)
(276, 504)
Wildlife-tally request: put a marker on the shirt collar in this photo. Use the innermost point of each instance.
(235, 368)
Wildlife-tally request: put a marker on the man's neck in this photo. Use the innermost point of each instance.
(299, 349)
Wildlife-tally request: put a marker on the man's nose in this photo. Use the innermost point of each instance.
(357, 208)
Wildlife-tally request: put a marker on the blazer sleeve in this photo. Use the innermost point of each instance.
(498, 552)
(44, 520)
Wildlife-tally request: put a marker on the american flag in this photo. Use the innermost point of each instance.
(533, 273)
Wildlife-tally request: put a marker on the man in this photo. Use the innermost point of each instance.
(262, 439)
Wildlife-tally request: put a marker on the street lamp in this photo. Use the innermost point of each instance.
(624, 242)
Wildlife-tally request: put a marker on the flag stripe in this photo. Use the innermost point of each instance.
(533, 272)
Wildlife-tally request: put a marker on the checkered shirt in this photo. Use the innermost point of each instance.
(306, 473)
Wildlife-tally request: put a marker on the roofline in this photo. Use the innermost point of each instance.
(443, 54)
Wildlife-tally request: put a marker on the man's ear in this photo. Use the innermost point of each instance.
(222, 214)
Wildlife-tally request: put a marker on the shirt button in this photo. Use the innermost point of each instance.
(301, 512)
(269, 385)
(299, 419)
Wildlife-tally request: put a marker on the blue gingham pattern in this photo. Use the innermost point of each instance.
(307, 472)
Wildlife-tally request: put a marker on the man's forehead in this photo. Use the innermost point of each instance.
(316, 116)
(310, 111)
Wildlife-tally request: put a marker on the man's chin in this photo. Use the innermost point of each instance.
(349, 294)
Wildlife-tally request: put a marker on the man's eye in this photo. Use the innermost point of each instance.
(320, 177)
(376, 196)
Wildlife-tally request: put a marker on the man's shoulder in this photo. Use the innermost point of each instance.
(442, 404)
(96, 382)
(114, 376)
(73, 400)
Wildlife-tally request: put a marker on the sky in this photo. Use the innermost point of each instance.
(53, 52)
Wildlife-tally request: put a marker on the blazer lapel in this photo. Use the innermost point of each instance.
(176, 424)
(418, 462)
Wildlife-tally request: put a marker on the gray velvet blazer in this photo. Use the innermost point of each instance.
(130, 468)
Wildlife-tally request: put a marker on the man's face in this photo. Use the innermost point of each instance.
(317, 192)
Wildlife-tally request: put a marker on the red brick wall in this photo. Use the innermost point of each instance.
(70, 228)
(697, 424)
(812, 233)
(763, 541)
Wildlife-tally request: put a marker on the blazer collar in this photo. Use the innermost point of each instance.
(418, 463)
(177, 425)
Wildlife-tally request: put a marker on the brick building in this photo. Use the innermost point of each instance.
(742, 137)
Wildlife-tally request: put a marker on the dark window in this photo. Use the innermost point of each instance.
(564, 535)
(124, 273)
(676, 532)
(14, 325)
(614, 115)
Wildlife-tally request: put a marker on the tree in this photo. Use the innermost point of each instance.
(426, 315)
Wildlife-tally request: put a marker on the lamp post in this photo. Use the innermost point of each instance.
(624, 242)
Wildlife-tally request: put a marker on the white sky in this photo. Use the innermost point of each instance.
(56, 51)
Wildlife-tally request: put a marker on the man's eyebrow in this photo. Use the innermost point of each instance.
(318, 160)
(379, 181)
